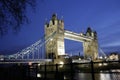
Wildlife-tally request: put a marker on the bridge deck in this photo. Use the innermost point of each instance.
(76, 37)
(26, 61)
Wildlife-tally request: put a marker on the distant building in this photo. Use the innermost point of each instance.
(113, 56)
(1, 57)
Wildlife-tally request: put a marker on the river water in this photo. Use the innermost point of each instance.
(15, 72)
(98, 76)
(103, 75)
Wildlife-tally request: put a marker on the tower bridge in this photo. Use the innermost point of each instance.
(55, 47)
(52, 44)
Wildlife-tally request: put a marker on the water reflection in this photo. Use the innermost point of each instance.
(104, 76)
(98, 76)
(83, 76)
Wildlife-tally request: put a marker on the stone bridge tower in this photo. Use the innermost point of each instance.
(91, 47)
(55, 46)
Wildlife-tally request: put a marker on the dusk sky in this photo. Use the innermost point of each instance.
(101, 15)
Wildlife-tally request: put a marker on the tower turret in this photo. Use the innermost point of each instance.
(89, 31)
(54, 17)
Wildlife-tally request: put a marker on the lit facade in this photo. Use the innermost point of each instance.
(55, 46)
(91, 48)
(114, 57)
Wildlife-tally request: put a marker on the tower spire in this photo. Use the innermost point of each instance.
(54, 16)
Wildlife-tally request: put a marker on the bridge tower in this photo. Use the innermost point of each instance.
(91, 47)
(55, 46)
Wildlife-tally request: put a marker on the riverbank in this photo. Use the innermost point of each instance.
(54, 71)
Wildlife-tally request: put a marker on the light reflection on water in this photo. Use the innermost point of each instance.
(83, 76)
(102, 75)
(98, 76)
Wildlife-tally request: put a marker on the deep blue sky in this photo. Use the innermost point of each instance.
(101, 15)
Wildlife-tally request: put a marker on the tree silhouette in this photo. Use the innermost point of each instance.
(13, 14)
